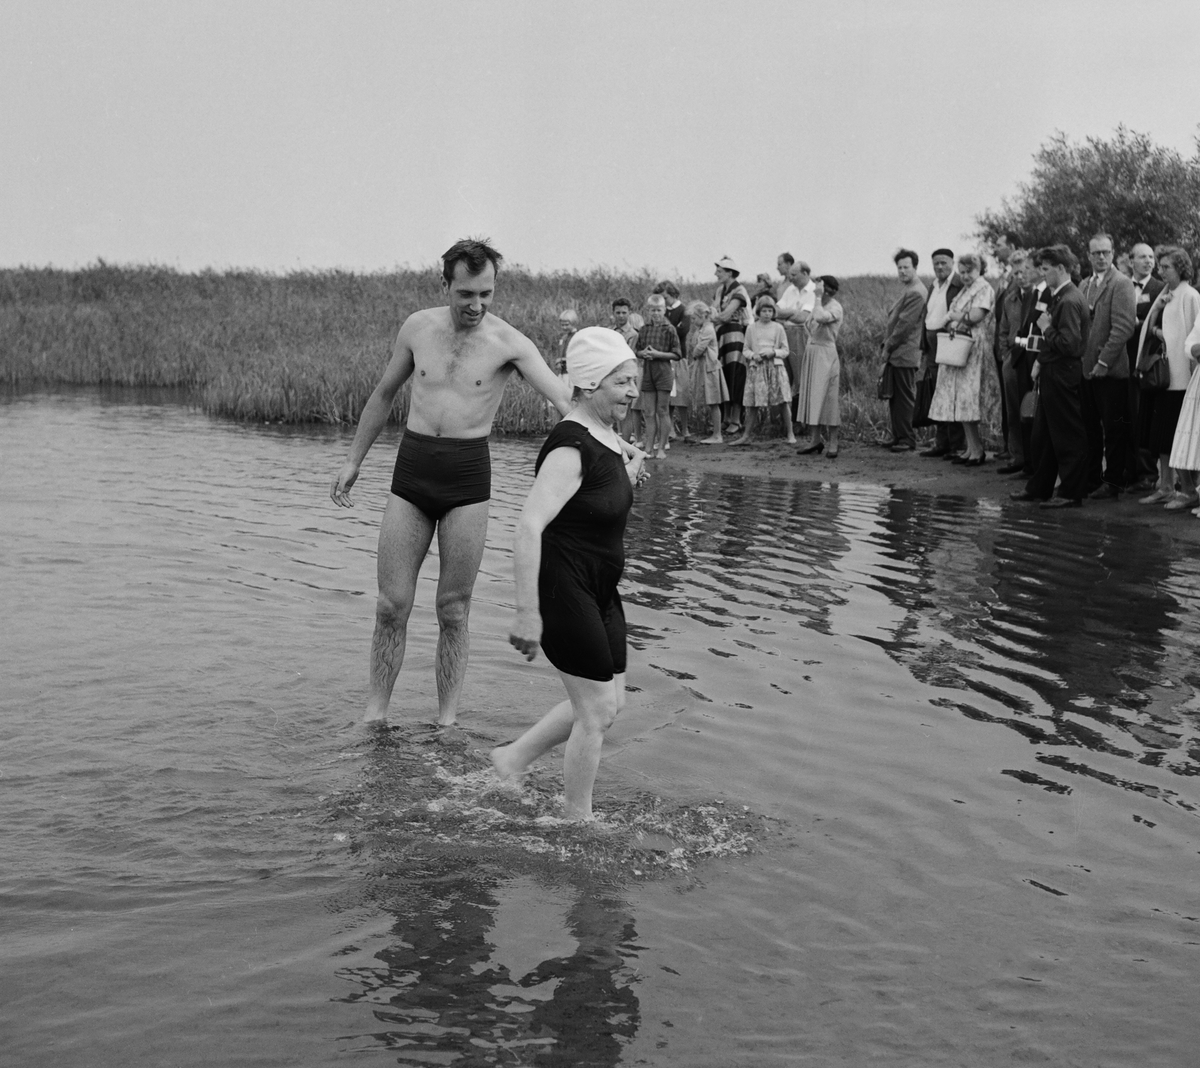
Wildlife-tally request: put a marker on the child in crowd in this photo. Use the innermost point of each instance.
(568, 325)
(767, 383)
(631, 425)
(658, 347)
(708, 383)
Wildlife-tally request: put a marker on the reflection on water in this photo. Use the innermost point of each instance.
(1075, 635)
(467, 975)
(977, 726)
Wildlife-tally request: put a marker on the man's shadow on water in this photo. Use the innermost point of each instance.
(441, 990)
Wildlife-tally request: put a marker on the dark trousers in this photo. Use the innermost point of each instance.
(1008, 418)
(900, 406)
(1059, 439)
(1140, 462)
(1104, 404)
(950, 437)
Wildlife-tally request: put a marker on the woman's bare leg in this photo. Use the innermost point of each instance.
(581, 722)
(785, 413)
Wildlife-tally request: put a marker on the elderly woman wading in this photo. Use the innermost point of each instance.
(956, 398)
(568, 556)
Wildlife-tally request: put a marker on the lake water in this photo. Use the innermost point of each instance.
(963, 737)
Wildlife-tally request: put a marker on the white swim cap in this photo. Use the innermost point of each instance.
(593, 354)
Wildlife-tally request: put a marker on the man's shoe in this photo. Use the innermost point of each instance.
(1009, 469)
(1025, 495)
(1062, 502)
(1107, 492)
(934, 452)
(901, 447)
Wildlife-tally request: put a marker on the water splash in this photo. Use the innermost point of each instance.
(424, 792)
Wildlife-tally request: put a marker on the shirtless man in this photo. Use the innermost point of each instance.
(459, 358)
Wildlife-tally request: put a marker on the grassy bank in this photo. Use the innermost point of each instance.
(309, 347)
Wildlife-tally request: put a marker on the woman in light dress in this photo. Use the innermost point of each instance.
(956, 398)
(822, 371)
(767, 382)
(708, 383)
(1175, 420)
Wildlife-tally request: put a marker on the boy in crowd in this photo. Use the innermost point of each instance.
(568, 326)
(631, 425)
(658, 346)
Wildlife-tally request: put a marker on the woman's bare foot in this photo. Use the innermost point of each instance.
(660, 455)
(740, 441)
(504, 767)
(715, 440)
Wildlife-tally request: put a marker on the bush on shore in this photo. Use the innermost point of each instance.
(309, 347)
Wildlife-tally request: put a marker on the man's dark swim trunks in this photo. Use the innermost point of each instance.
(438, 474)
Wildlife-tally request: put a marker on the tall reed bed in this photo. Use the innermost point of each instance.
(309, 347)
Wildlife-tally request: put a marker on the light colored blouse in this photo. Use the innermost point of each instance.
(978, 295)
(766, 340)
(1178, 318)
(825, 323)
(702, 345)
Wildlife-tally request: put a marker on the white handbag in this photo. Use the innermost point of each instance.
(953, 349)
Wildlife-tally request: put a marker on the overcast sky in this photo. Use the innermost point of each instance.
(366, 135)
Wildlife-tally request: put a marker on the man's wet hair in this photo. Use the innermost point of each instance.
(474, 252)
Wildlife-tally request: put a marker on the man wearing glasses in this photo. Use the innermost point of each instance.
(1104, 395)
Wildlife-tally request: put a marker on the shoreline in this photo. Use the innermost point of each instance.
(862, 463)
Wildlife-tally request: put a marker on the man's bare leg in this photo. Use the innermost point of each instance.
(461, 536)
(404, 539)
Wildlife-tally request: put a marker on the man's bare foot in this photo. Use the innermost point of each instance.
(505, 767)
(660, 455)
(712, 441)
(376, 713)
(739, 441)
(449, 719)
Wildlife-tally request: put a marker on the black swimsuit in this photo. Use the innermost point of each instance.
(438, 474)
(583, 555)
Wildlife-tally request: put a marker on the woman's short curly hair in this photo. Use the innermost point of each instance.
(1178, 259)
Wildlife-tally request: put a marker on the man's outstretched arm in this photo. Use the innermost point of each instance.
(374, 416)
(537, 373)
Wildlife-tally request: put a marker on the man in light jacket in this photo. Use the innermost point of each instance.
(1104, 396)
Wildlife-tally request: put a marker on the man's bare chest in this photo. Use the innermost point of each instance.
(469, 363)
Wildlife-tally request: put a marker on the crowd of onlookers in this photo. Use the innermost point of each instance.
(1094, 367)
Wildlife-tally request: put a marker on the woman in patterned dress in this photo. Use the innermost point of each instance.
(956, 398)
(708, 383)
(767, 382)
(731, 313)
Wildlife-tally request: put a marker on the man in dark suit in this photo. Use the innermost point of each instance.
(949, 438)
(1104, 395)
(1059, 439)
(1141, 468)
(901, 351)
(1014, 325)
(1006, 248)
